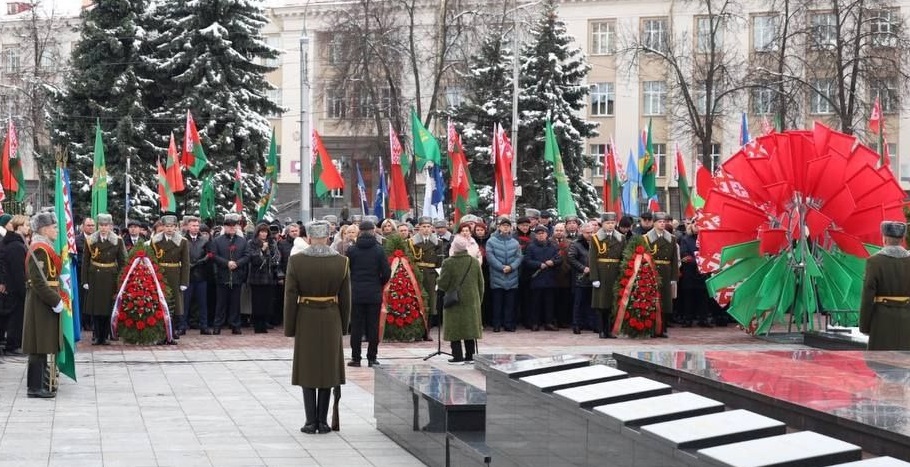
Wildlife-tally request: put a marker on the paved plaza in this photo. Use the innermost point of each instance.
(227, 401)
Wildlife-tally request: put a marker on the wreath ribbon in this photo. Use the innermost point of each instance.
(626, 295)
(147, 262)
(400, 262)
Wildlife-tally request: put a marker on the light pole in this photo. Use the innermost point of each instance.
(305, 173)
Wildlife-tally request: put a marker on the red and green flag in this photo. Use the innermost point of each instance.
(464, 196)
(565, 205)
(193, 155)
(13, 180)
(99, 176)
(398, 190)
(687, 207)
(649, 166)
(612, 184)
(325, 174)
(270, 182)
(238, 189)
(426, 148)
(166, 200)
(173, 169)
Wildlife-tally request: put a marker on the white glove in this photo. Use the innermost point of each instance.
(596, 284)
(85, 286)
(183, 288)
(59, 307)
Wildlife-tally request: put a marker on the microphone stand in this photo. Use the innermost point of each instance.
(438, 342)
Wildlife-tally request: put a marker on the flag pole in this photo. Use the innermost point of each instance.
(126, 191)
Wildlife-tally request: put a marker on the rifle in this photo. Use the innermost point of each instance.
(336, 424)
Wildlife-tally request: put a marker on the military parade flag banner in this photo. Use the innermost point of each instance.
(649, 166)
(66, 357)
(398, 190)
(166, 200)
(362, 191)
(13, 180)
(685, 194)
(612, 187)
(504, 189)
(207, 199)
(238, 189)
(270, 181)
(382, 192)
(173, 169)
(99, 176)
(193, 155)
(325, 174)
(630, 191)
(565, 205)
(464, 197)
(426, 148)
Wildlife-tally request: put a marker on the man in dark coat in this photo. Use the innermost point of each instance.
(604, 259)
(173, 253)
(317, 308)
(578, 257)
(88, 228)
(291, 232)
(645, 224)
(133, 235)
(43, 304)
(543, 260)
(370, 271)
(884, 312)
(200, 270)
(105, 257)
(12, 262)
(229, 252)
(665, 252)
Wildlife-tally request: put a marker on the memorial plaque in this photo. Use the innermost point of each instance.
(563, 379)
(518, 369)
(614, 391)
(803, 449)
(659, 409)
(714, 429)
(876, 462)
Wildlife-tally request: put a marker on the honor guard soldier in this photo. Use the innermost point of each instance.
(43, 304)
(426, 248)
(605, 261)
(105, 256)
(173, 254)
(665, 252)
(317, 310)
(884, 312)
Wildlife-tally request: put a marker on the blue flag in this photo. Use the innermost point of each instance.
(632, 187)
(439, 187)
(362, 189)
(381, 192)
(74, 273)
(744, 137)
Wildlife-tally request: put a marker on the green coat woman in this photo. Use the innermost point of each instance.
(462, 321)
(885, 304)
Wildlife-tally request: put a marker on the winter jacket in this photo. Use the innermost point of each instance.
(462, 321)
(537, 253)
(230, 248)
(12, 258)
(690, 277)
(200, 263)
(564, 271)
(503, 250)
(578, 259)
(263, 264)
(284, 248)
(370, 270)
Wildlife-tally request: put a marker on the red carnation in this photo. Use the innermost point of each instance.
(399, 322)
(639, 249)
(121, 316)
(151, 321)
(159, 314)
(128, 323)
(140, 325)
(390, 319)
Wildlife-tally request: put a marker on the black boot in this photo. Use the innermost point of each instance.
(309, 406)
(322, 411)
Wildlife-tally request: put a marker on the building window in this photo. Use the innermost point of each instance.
(654, 34)
(334, 51)
(883, 28)
(715, 156)
(705, 28)
(339, 193)
(764, 32)
(11, 60)
(660, 158)
(653, 95)
(597, 153)
(824, 30)
(603, 35)
(885, 90)
(48, 60)
(275, 43)
(762, 101)
(702, 100)
(822, 96)
(454, 96)
(892, 153)
(334, 103)
(363, 105)
(274, 95)
(603, 96)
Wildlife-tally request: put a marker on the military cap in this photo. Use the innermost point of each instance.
(531, 212)
(318, 229)
(523, 220)
(424, 220)
(188, 219)
(169, 220)
(367, 226)
(231, 219)
(608, 217)
(441, 224)
(540, 229)
(894, 229)
(661, 216)
(330, 218)
(101, 219)
(646, 216)
(43, 219)
(504, 221)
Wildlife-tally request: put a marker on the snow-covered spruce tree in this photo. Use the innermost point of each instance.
(488, 101)
(104, 84)
(551, 83)
(209, 58)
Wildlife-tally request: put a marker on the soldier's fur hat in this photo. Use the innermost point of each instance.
(104, 219)
(43, 219)
(894, 229)
(318, 229)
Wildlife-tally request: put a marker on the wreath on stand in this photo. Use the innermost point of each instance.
(140, 314)
(402, 316)
(637, 292)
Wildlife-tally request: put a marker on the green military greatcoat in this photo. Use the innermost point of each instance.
(604, 261)
(173, 257)
(317, 310)
(462, 321)
(427, 254)
(41, 333)
(104, 259)
(885, 307)
(665, 253)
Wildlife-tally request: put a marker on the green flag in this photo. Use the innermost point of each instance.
(270, 184)
(649, 167)
(565, 205)
(99, 176)
(426, 148)
(207, 199)
(66, 357)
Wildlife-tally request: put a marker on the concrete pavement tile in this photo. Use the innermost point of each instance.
(82, 459)
(289, 461)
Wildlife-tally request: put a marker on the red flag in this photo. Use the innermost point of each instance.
(460, 183)
(875, 120)
(193, 156)
(505, 186)
(703, 180)
(238, 187)
(10, 148)
(174, 172)
(612, 190)
(325, 174)
(398, 190)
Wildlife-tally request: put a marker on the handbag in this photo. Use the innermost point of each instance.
(451, 297)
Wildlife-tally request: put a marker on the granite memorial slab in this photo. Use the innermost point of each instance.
(613, 391)
(521, 368)
(714, 429)
(658, 409)
(800, 449)
(876, 462)
(483, 362)
(564, 379)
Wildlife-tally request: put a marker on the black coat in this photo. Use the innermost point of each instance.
(263, 264)
(12, 262)
(200, 263)
(222, 254)
(284, 248)
(537, 253)
(578, 259)
(690, 277)
(370, 270)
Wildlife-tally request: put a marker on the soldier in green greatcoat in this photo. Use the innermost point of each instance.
(41, 335)
(173, 254)
(884, 312)
(104, 258)
(317, 310)
(604, 263)
(665, 253)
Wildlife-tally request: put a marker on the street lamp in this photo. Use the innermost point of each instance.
(305, 172)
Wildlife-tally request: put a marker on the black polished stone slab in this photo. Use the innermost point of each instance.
(860, 397)
(876, 462)
(801, 449)
(613, 391)
(564, 379)
(714, 429)
(468, 449)
(482, 362)
(658, 409)
(416, 405)
(834, 341)
(536, 366)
